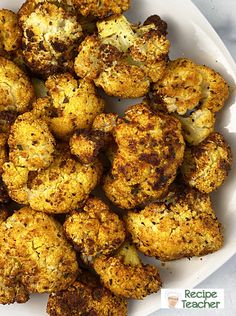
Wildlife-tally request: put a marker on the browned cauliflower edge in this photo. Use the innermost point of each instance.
(86, 296)
(87, 144)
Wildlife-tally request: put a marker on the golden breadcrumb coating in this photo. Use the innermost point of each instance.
(31, 144)
(206, 166)
(16, 90)
(102, 8)
(123, 58)
(197, 126)
(186, 86)
(10, 33)
(60, 188)
(51, 35)
(71, 104)
(150, 149)
(86, 297)
(95, 229)
(127, 277)
(39, 252)
(184, 226)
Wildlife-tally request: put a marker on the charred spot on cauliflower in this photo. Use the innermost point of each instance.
(150, 149)
(86, 296)
(16, 90)
(186, 86)
(60, 188)
(206, 166)
(51, 34)
(86, 144)
(125, 275)
(30, 143)
(95, 229)
(71, 104)
(123, 58)
(4, 197)
(10, 33)
(101, 8)
(36, 253)
(184, 225)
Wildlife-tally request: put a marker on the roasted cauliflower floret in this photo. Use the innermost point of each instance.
(101, 8)
(31, 144)
(125, 275)
(206, 166)
(184, 225)
(16, 90)
(197, 126)
(86, 144)
(150, 149)
(123, 58)
(95, 229)
(11, 288)
(86, 297)
(60, 188)
(10, 33)
(186, 86)
(51, 35)
(71, 104)
(38, 251)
